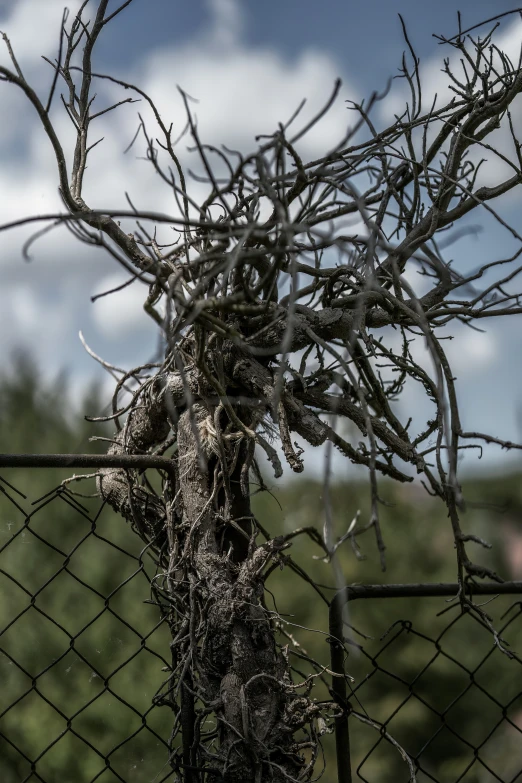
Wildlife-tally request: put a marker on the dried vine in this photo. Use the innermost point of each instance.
(278, 321)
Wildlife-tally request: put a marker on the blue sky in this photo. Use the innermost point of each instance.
(249, 64)
(364, 36)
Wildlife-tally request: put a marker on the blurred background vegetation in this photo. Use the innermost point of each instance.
(83, 650)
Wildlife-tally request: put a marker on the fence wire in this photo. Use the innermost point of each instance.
(446, 705)
(482, 679)
(82, 658)
(85, 662)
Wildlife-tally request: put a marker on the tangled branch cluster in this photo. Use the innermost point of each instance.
(286, 306)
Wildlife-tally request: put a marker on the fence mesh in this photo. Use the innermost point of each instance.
(455, 709)
(82, 657)
(84, 667)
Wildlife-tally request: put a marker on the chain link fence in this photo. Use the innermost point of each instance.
(85, 663)
(83, 659)
(440, 710)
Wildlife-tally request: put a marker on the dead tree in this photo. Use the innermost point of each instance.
(279, 320)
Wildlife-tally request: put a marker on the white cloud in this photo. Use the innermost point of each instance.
(469, 352)
(33, 29)
(227, 25)
(244, 91)
(23, 305)
(436, 82)
(473, 353)
(241, 91)
(120, 314)
(436, 85)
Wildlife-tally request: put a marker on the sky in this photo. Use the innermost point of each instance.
(248, 64)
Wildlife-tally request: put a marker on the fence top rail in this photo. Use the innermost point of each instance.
(85, 461)
(422, 590)
(338, 650)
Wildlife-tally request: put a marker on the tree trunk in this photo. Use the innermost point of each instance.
(238, 665)
(226, 663)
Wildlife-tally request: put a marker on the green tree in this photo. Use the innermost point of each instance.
(58, 546)
(81, 656)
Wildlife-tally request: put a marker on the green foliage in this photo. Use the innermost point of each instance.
(432, 651)
(82, 655)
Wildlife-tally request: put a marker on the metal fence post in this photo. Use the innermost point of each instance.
(337, 653)
(337, 645)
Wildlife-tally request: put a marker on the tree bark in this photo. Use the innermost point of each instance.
(238, 663)
(227, 665)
